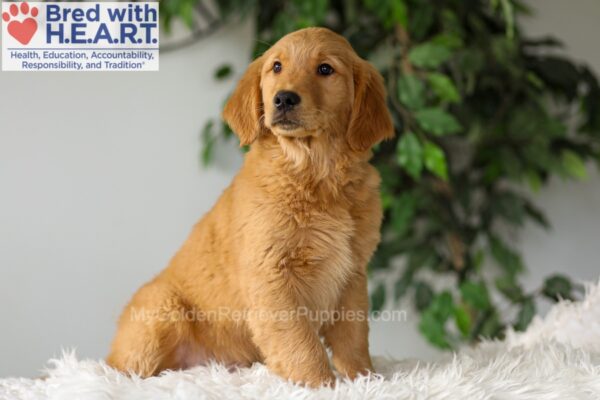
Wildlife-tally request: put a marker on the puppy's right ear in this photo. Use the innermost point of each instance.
(244, 109)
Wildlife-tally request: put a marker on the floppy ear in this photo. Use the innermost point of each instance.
(244, 108)
(371, 121)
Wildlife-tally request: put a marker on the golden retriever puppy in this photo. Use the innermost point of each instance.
(280, 261)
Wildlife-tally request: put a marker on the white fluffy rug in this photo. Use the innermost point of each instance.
(557, 358)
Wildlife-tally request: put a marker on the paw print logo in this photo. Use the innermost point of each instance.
(24, 29)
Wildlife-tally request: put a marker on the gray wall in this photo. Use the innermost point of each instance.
(100, 184)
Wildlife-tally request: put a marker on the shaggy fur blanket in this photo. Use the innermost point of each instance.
(558, 357)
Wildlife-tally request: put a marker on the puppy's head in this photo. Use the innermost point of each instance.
(311, 83)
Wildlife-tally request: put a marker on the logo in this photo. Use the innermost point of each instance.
(80, 36)
(24, 29)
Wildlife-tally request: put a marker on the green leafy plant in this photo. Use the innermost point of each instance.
(484, 117)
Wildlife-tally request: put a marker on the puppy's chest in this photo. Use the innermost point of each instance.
(315, 255)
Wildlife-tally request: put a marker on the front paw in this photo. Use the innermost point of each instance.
(353, 368)
(310, 377)
(318, 381)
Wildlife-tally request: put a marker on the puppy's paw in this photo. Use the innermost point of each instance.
(322, 380)
(353, 368)
(352, 374)
(313, 378)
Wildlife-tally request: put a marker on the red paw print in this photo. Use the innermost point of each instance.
(22, 30)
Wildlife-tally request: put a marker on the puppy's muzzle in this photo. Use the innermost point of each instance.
(285, 102)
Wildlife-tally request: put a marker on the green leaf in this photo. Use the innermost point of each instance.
(558, 287)
(208, 142)
(535, 80)
(378, 298)
(437, 121)
(505, 51)
(433, 320)
(534, 180)
(448, 40)
(403, 211)
(429, 55)
(442, 305)
(390, 12)
(421, 18)
(399, 12)
(423, 295)
(506, 257)
(509, 206)
(443, 86)
(410, 154)
(186, 13)
(226, 130)
(411, 91)
(525, 315)
(508, 286)
(560, 75)
(463, 321)
(402, 285)
(509, 17)
(537, 215)
(478, 259)
(476, 295)
(223, 72)
(435, 160)
(491, 325)
(450, 20)
(381, 258)
(573, 164)
(420, 256)
(433, 328)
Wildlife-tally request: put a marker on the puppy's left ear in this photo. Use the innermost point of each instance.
(244, 109)
(371, 121)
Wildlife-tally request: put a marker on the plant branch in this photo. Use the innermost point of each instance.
(198, 33)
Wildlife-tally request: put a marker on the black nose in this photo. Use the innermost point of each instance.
(285, 100)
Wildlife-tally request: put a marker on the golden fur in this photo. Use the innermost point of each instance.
(294, 230)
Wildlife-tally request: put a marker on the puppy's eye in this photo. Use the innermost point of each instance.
(277, 67)
(325, 69)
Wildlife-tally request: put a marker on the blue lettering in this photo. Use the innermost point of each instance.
(116, 14)
(128, 31)
(78, 33)
(150, 13)
(60, 33)
(52, 13)
(103, 34)
(93, 14)
(148, 30)
(78, 15)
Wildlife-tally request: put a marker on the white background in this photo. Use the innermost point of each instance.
(100, 183)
